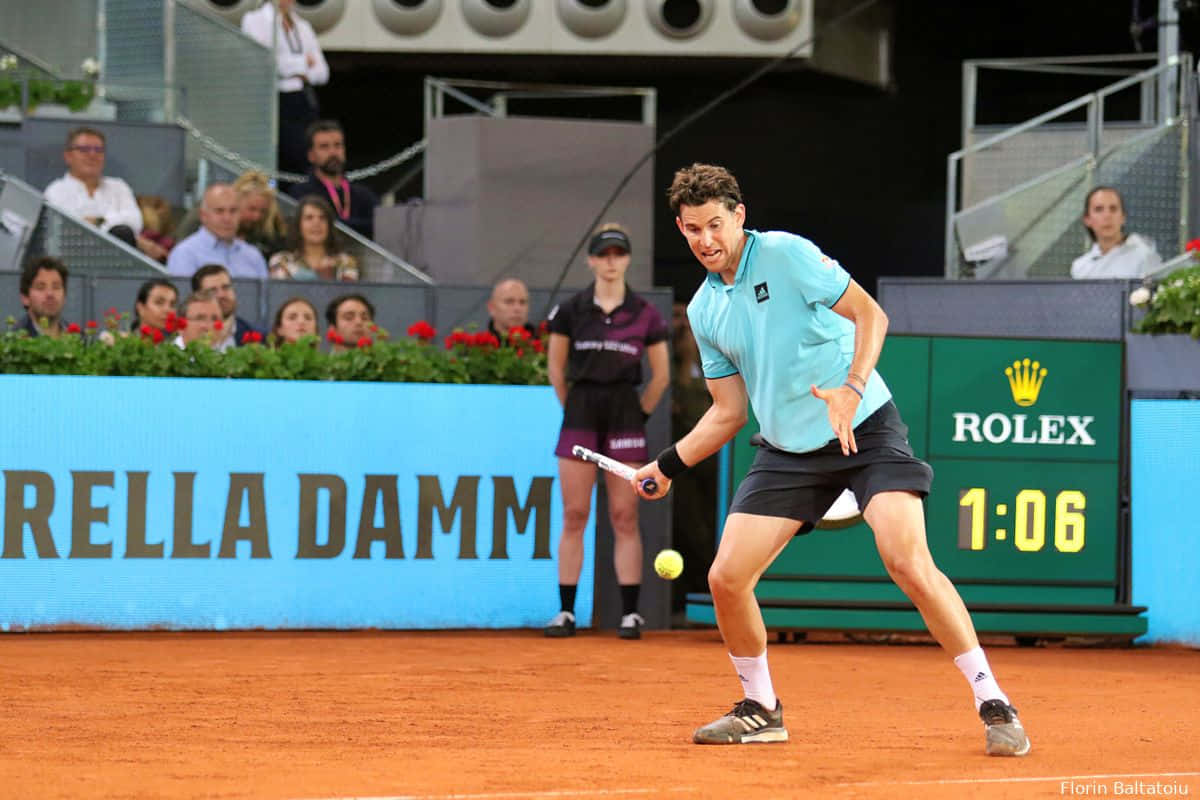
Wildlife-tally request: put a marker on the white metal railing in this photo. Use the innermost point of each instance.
(499, 94)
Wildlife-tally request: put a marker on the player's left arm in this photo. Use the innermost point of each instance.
(870, 329)
(659, 377)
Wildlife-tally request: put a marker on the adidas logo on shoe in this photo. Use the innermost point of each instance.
(749, 722)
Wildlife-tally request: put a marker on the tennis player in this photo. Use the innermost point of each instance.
(782, 325)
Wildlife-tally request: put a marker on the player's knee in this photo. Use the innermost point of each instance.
(911, 573)
(725, 582)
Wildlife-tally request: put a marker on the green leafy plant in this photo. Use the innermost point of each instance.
(75, 95)
(1173, 304)
(95, 349)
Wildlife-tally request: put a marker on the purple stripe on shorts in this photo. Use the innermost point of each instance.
(576, 436)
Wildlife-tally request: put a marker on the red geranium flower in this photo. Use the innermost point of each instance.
(1193, 245)
(112, 312)
(180, 323)
(91, 323)
(364, 342)
(147, 331)
(544, 328)
(485, 339)
(218, 325)
(422, 330)
(74, 328)
(247, 337)
(171, 321)
(158, 336)
(520, 351)
(334, 337)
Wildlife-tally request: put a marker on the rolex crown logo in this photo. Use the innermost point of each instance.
(1025, 379)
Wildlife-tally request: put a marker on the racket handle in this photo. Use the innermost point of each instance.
(649, 486)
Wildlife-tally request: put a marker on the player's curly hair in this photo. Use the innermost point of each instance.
(700, 183)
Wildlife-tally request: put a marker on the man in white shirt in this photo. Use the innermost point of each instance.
(299, 66)
(86, 192)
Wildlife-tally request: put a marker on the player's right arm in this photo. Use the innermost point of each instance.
(724, 418)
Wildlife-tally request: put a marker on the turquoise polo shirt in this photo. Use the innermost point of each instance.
(774, 326)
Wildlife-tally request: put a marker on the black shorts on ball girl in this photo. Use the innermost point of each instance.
(606, 418)
(802, 486)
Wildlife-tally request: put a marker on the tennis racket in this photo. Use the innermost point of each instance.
(649, 485)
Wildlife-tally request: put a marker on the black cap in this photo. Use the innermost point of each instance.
(606, 239)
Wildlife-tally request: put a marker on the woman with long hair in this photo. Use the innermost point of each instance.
(259, 220)
(294, 320)
(156, 299)
(314, 250)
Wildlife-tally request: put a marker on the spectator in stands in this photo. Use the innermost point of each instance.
(85, 192)
(294, 320)
(43, 291)
(353, 202)
(260, 222)
(203, 315)
(214, 280)
(1114, 253)
(156, 299)
(299, 66)
(314, 247)
(508, 308)
(216, 242)
(351, 319)
(157, 226)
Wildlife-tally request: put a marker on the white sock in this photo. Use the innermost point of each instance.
(756, 678)
(973, 664)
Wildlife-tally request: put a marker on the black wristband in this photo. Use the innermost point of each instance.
(669, 463)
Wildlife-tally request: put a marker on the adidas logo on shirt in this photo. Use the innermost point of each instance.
(760, 292)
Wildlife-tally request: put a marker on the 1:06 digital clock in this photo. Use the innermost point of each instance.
(1029, 520)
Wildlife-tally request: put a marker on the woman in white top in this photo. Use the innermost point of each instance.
(1114, 254)
(300, 65)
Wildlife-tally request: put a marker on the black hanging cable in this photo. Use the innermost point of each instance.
(687, 122)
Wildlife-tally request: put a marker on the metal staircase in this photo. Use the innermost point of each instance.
(1015, 195)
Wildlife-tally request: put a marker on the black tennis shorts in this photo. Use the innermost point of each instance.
(802, 486)
(606, 418)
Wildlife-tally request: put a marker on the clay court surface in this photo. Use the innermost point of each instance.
(513, 715)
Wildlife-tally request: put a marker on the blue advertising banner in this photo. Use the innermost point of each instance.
(1164, 466)
(210, 504)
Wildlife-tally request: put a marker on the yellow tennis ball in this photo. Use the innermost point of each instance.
(668, 564)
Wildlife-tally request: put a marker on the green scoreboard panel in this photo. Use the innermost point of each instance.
(1024, 437)
(1025, 442)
